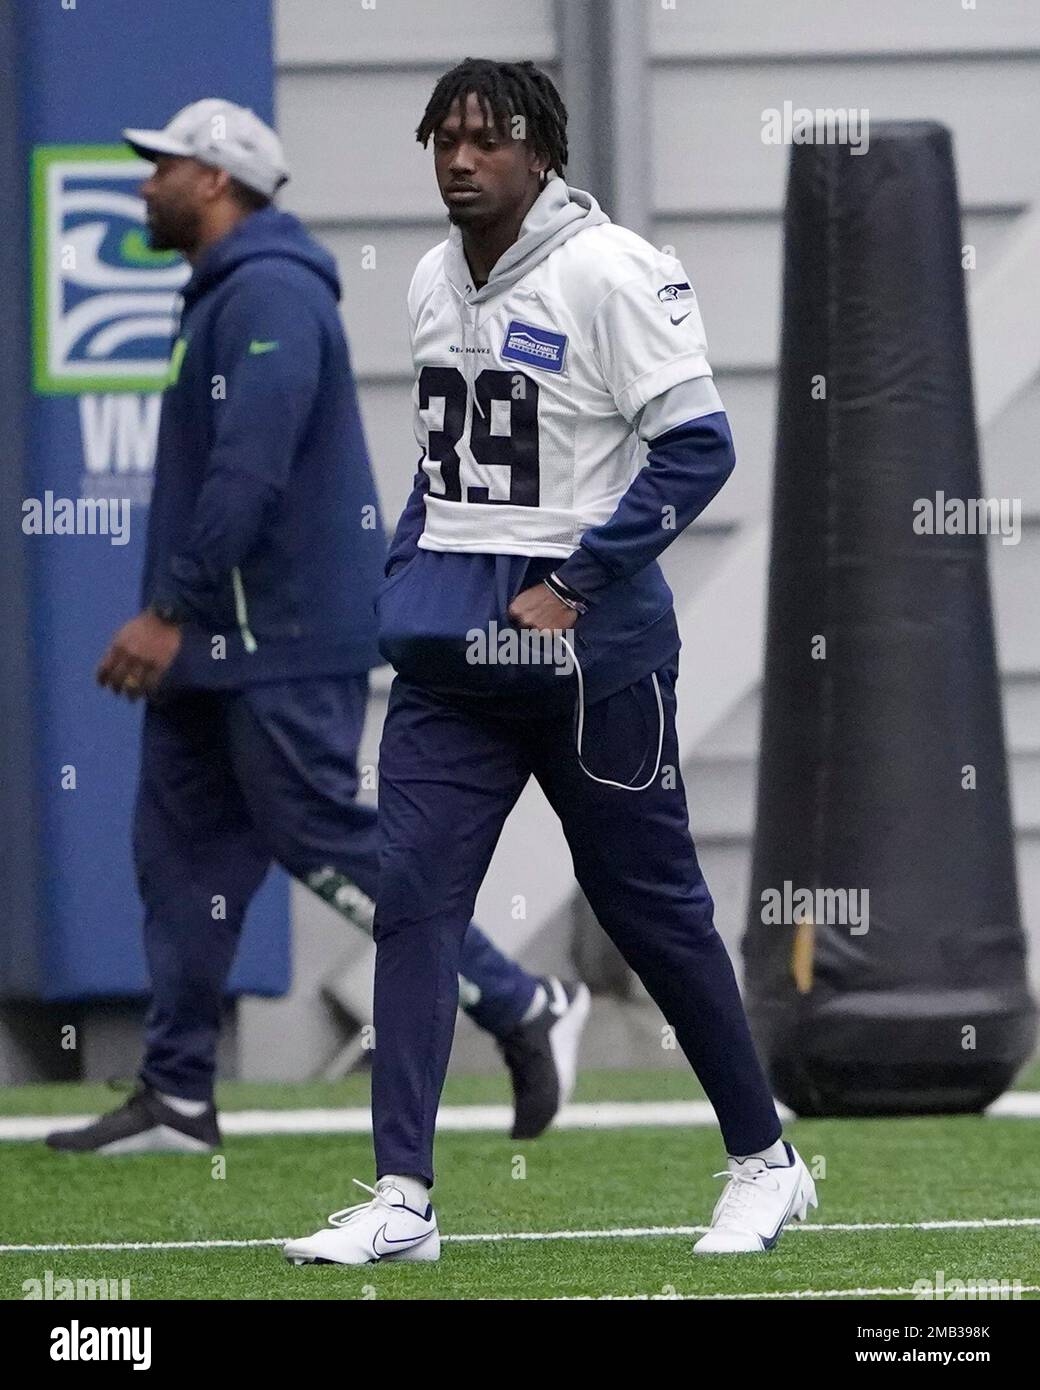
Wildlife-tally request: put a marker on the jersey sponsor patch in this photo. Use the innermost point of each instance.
(535, 347)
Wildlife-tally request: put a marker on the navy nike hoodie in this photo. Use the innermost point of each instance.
(264, 530)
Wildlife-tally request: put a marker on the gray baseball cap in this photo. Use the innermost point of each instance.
(224, 136)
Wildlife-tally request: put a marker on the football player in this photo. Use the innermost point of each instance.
(548, 344)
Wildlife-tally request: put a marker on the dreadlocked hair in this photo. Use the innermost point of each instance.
(504, 90)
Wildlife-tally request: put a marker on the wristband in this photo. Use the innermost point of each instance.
(568, 596)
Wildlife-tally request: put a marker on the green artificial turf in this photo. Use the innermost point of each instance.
(900, 1170)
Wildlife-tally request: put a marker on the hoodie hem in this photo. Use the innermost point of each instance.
(196, 669)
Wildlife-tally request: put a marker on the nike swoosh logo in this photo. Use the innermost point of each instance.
(769, 1241)
(684, 316)
(381, 1235)
(256, 348)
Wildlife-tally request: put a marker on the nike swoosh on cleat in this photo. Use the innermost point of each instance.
(408, 1240)
(769, 1241)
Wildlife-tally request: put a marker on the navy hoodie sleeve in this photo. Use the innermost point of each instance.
(410, 527)
(649, 341)
(266, 356)
(685, 468)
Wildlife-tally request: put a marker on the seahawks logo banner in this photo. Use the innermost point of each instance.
(104, 303)
(90, 313)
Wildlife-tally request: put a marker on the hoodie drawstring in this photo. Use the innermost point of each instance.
(467, 356)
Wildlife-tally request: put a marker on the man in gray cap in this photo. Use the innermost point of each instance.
(257, 632)
(223, 136)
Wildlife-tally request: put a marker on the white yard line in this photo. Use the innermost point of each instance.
(451, 1118)
(1017, 1103)
(622, 1114)
(782, 1293)
(496, 1237)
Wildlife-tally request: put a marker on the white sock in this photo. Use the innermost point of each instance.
(416, 1193)
(190, 1108)
(538, 1002)
(776, 1153)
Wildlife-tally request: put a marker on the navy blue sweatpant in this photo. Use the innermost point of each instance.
(448, 778)
(229, 782)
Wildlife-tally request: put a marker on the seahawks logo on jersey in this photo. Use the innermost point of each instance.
(673, 295)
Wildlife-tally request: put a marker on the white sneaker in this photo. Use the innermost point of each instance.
(385, 1228)
(542, 1057)
(756, 1203)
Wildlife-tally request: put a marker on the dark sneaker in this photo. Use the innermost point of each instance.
(143, 1124)
(542, 1057)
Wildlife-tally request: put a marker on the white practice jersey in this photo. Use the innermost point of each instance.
(526, 403)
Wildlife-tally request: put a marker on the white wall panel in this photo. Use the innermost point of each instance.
(350, 143)
(376, 264)
(1011, 454)
(387, 413)
(1013, 575)
(736, 28)
(737, 735)
(722, 790)
(1022, 713)
(707, 125)
(397, 32)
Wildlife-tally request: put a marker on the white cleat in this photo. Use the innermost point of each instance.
(756, 1203)
(383, 1229)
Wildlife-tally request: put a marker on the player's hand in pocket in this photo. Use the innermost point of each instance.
(538, 607)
